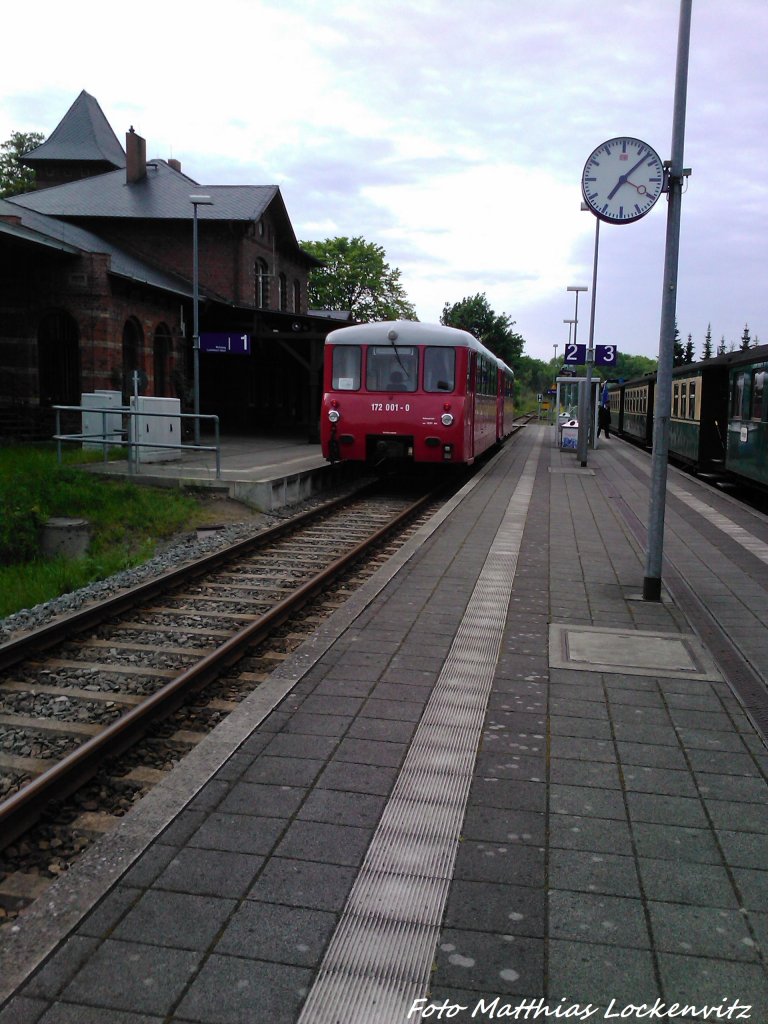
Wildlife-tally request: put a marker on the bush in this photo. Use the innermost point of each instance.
(20, 521)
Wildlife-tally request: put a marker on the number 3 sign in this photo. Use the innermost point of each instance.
(606, 355)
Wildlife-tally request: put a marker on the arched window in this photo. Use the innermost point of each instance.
(296, 295)
(261, 293)
(161, 354)
(58, 359)
(132, 343)
(283, 292)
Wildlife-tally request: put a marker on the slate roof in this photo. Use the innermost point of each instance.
(83, 134)
(39, 229)
(162, 195)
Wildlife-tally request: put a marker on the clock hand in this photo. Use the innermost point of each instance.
(622, 180)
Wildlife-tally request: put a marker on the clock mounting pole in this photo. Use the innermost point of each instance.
(663, 398)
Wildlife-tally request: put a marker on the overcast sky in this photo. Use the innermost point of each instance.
(451, 132)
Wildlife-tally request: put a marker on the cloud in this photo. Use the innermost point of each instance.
(453, 134)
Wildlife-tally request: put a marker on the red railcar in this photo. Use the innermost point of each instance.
(402, 390)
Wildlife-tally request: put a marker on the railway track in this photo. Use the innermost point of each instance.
(89, 686)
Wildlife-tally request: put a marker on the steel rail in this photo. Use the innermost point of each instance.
(24, 807)
(62, 628)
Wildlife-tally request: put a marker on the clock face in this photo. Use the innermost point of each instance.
(622, 180)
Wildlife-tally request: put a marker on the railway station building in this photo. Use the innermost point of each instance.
(98, 283)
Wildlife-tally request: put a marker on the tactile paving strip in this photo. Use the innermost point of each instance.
(380, 956)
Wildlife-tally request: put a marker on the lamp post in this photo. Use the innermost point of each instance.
(196, 201)
(575, 288)
(584, 438)
(570, 327)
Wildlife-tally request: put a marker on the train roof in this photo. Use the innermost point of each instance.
(411, 332)
(739, 357)
(405, 332)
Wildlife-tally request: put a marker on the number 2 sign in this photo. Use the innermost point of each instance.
(575, 355)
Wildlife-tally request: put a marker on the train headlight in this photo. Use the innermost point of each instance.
(447, 419)
(334, 415)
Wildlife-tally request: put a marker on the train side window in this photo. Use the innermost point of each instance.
(758, 388)
(692, 400)
(390, 368)
(346, 368)
(439, 369)
(737, 393)
(675, 400)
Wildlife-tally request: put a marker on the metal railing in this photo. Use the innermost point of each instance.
(124, 437)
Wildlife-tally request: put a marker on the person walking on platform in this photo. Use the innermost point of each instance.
(604, 420)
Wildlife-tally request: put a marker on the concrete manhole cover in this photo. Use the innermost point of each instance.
(633, 652)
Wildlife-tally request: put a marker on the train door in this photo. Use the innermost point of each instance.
(470, 404)
(500, 395)
(713, 424)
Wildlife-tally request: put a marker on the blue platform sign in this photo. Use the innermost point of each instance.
(575, 355)
(606, 355)
(235, 344)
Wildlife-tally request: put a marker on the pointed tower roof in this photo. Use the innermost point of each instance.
(83, 135)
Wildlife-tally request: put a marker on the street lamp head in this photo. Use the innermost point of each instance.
(577, 288)
(569, 321)
(201, 200)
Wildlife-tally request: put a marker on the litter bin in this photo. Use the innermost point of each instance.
(569, 435)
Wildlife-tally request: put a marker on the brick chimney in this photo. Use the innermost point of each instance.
(135, 157)
(175, 164)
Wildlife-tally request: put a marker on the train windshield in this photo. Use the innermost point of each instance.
(346, 368)
(392, 368)
(439, 369)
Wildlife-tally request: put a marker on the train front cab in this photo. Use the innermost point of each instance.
(403, 402)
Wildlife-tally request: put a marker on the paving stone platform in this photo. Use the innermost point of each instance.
(496, 784)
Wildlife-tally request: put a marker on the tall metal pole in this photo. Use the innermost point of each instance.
(663, 398)
(570, 328)
(196, 201)
(195, 326)
(584, 434)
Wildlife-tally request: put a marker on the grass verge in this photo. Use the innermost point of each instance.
(127, 523)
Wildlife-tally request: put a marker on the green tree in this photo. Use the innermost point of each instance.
(494, 330)
(14, 177)
(534, 375)
(631, 367)
(707, 352)
(746, 340)
(678, 357)
(688, 354)
(356, 277)
(721, 349)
